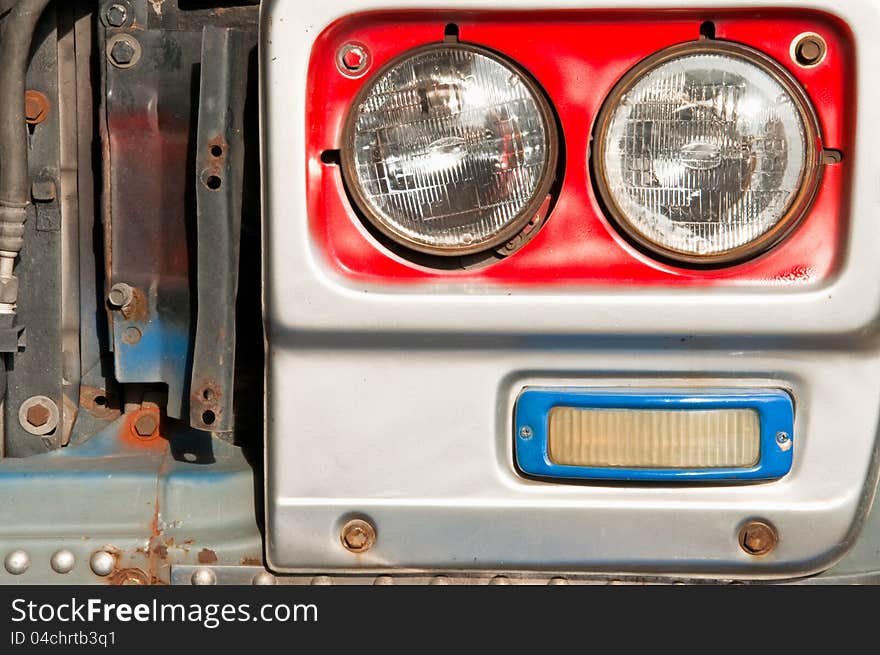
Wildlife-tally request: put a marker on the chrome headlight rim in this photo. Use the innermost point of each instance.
(516, 225)
(811, 170)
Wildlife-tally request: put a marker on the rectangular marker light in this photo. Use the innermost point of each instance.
(712, 438)
(654, 434)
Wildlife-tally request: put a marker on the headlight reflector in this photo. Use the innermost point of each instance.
(707, 153)
(449, 149)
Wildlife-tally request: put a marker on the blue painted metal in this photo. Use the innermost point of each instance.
(774, 406)
(168, 502)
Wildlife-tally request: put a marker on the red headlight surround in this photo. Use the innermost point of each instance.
(578, 57)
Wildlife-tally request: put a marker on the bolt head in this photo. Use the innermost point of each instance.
(204, 576)
(63, 561)
(36, 106)
(353, 59)
(17, 562)
(38, 415)
(116, 15)
(122, 53)
(120, 295)
(146, 424)
(102, 563)
(358, 535)
(526, 432)
(758, 538)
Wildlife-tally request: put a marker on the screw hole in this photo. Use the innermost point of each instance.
(330, 157)
(101, 401)
(216, 151)
(213, 182)
(208, 417)
(208, 394)
(451, 32)
(707, 30)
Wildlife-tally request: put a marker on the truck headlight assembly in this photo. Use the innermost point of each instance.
(706, 153)
(449, 149)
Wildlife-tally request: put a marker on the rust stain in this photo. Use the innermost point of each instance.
(130, 576)
(251, 561)
(207, 556)
(137, 309)
(129, 435)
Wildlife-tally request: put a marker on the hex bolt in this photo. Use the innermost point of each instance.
(358, 536)
(146, 424)
(37, 415)
(123, 51)
(116, 15)
(120, 295)
(352, 59)
(102, 563)
(17, 562)
(758, 538)
(36, 107)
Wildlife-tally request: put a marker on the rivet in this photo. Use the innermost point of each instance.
(499, 580)
(131, 335)
(557, 581)
(204, 576)
(264, 578)
(322, 581)
(62, 561)
(440, 580)
(526, 432)
(17, 562)
(758, 538)
(358, 535)
(383, 581)
(102, 563)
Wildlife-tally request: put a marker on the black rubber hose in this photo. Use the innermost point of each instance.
(16, 34)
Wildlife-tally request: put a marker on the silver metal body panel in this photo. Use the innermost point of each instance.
(396, 403)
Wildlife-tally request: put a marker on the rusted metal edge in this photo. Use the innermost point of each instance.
(219, 178)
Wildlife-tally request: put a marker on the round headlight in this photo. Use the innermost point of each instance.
(449, 149)
(707, 153)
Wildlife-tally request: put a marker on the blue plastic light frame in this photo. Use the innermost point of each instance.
(774, 406)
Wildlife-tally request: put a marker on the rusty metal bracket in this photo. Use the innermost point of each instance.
(219, 179)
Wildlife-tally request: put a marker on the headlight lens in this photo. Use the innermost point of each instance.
(449, 149)
(707, 153)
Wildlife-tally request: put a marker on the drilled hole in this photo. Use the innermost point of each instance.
(101, 401)
(208, 417)
(216, 151)
(707, 30)
(213, 182)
